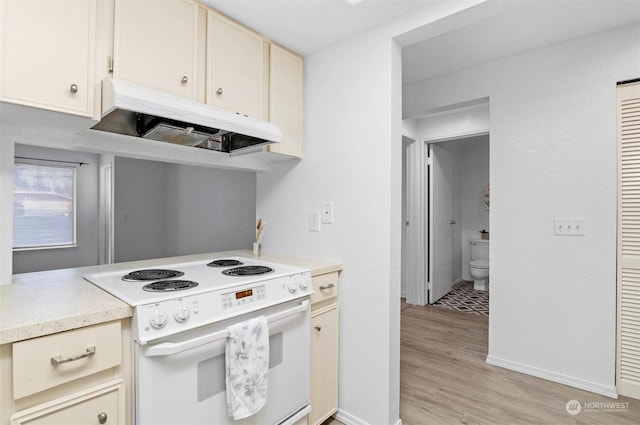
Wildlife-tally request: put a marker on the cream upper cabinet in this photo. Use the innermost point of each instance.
(286, 78)
(47, 58)
(236, 67)
(156, 44)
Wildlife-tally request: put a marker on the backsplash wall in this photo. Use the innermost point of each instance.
(164, 209)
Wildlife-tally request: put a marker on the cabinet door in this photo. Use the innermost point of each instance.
(285, 99)
(324, 365)
(236, 71)
(103, 404)
(48, 52)
(156, 44)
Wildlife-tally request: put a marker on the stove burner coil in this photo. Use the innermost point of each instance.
(247, 271)
(225, 263)
(151, 274)
(169, 285)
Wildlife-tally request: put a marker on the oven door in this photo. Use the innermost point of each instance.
(181, 379)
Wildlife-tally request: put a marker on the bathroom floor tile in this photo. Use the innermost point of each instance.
(466, 299)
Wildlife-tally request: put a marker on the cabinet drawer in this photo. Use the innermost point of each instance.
(325, 286)
(48, 361)
(103, 404)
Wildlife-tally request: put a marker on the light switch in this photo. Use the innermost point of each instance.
(314, 221)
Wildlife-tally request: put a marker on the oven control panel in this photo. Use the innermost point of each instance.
(172, 316)
(245, 296)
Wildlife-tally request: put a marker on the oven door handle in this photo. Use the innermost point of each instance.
(169, 348)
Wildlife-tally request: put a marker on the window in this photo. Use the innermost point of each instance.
(43, 206)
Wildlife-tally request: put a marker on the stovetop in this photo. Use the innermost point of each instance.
(192, 278)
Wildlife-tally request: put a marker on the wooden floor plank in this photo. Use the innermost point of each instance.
(445, 380)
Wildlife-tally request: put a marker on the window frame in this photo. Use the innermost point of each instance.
(74, 211)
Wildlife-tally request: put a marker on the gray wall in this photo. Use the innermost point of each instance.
(140, 217)
(85, 253)
(166, 209)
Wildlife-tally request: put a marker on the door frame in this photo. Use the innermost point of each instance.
(420, 210)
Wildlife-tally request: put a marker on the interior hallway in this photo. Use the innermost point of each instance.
(444, 379)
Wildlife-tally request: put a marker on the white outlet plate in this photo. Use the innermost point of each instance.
(314, 221)
(327, 212)
(569, 226)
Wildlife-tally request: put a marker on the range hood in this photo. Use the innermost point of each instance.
(134, 110)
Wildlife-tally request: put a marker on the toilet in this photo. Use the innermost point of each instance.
(479, 264)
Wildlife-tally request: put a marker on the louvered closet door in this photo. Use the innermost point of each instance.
(628, 367)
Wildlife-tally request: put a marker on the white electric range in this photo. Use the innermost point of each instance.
(181, 312)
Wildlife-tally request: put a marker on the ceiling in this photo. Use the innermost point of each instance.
(532, 25)
(306, 26)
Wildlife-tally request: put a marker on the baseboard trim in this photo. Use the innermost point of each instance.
(554, 377)
(349, 419)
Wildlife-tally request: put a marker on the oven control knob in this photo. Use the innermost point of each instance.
(303, 283)
(292, 286)
(158, 319)
(182, 314)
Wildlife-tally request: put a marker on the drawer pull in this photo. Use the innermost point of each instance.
(102, 418)
(57, 360)
(318, 328)
(329, 286)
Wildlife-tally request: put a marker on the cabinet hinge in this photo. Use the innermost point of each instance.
(109, 64)
(429, 161)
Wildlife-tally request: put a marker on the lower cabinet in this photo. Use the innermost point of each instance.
(103, 404)
(324, 364)
(76, 377)
(324, 347)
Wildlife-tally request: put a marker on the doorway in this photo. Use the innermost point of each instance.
(445, 204)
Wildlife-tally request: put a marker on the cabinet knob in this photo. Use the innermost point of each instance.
(185, 80)
(73, 88)
(102, 418)
(219, 91)
(318, 328)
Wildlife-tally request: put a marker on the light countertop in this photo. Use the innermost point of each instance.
(42, 303)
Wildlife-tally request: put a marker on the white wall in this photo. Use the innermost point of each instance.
(164, 209)
(350, 165)
(352, 156)
(553, 154)
(456, 122)
(475, 177)
(85, 253)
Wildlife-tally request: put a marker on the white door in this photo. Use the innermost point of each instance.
(414, 227)
(440, 222)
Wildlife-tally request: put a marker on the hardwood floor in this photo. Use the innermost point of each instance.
(444, 380)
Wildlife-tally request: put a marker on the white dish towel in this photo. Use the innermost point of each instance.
(247, 364)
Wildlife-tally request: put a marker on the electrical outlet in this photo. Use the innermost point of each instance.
(314, 221)
(327, 212)
(569, 226)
